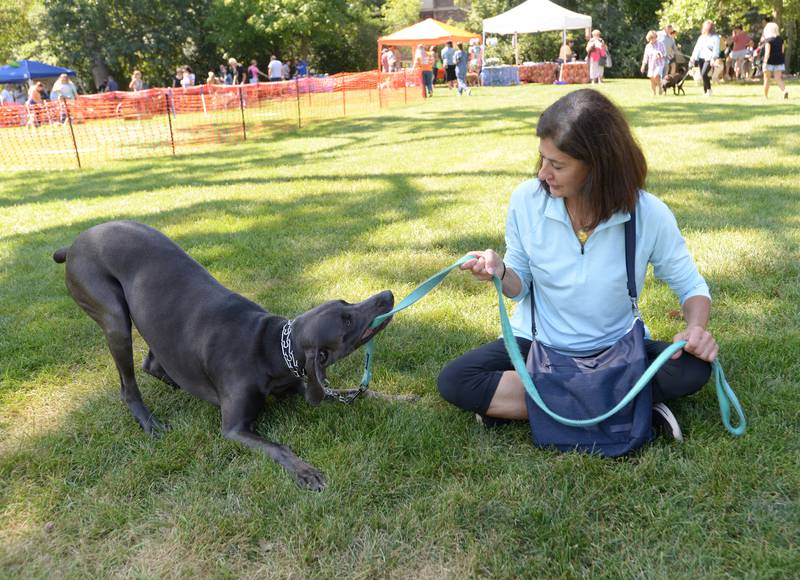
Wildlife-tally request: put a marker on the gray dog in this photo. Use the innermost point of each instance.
(205, 339)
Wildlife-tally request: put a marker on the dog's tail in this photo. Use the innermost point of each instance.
(60, 256)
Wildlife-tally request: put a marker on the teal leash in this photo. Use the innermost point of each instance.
(725, 394)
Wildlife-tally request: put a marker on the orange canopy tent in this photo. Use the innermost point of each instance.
(427, 32)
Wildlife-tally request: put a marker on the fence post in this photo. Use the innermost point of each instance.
(71, 131)
(167, 107)
(405, 87)
(344, 100)
(297, 95)
(241, 108)
(380, 95)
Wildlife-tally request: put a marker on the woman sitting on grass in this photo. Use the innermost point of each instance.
(565, 234)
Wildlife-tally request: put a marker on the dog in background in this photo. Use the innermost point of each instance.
(675, 82)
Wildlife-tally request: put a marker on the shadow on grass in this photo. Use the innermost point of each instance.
(101, 481)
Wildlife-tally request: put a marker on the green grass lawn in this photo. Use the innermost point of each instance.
(342, 209)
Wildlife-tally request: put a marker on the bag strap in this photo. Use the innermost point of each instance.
(630, 271)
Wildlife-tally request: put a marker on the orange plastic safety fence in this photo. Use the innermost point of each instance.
(120, 125)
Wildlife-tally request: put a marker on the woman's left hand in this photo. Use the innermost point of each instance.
(699, 342)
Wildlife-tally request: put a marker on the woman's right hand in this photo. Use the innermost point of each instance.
(486, 264)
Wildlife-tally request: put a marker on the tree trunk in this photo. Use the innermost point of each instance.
(100, 70)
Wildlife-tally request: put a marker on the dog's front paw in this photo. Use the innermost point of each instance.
(309, 477)
(154, 427)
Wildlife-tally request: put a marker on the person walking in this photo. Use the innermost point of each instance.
(740, 40)
(666, 37)
(462, 59)
(596, 51)
(424, 63)
(706, 51)
(449, 62)
(653, 61)
(774, 58)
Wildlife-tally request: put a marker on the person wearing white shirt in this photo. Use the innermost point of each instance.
(275, 69)
(706, 51)
(6, 96)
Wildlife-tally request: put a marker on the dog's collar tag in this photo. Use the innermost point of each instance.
(288, 352)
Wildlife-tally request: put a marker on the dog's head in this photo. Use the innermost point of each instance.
(332, 331)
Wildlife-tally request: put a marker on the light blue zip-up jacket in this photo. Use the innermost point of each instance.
(582, 303)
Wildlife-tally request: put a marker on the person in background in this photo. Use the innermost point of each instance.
(398, 59)
(6, 96)
(63, 87)
(666, 37)
(747, 62)
(224, 75)
(385, 60)
(275, 69)
(302, 68)
(34, 103)
(449, 62)
(436, 63)
(462, 59)
(391, 61)
(566, 54)
(111, 84)
(212, 78)
(285, 71)
(136, 84)
(424, 63)
(774, 58)
(237, 72)
(186, 80)
(253, 72)
(653, 61)
(176, 80)
(475, 56)
(706, 51)
(739, 43)
(591, 177)
(596, 51)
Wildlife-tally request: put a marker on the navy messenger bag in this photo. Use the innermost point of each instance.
(586, 387)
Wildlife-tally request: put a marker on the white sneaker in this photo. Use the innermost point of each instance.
(665, 422)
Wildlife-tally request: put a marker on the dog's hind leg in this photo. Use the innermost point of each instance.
(104, 301)
(152, 367)
(240, 409)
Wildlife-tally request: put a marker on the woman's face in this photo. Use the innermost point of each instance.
(563, 174)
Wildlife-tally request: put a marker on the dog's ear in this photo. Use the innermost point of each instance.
(315, 376)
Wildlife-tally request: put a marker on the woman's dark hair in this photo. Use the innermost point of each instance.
(587, 126)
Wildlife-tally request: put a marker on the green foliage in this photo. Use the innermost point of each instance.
(150, 35)
(398, 14)
(688, 15)
(18, 32)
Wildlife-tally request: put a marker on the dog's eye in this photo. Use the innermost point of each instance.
(323, 356)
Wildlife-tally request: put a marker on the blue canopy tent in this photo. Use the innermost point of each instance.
(23, 71)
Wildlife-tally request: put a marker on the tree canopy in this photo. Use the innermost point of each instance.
(98, 37)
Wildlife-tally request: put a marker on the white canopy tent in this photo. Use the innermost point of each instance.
(535, 16)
